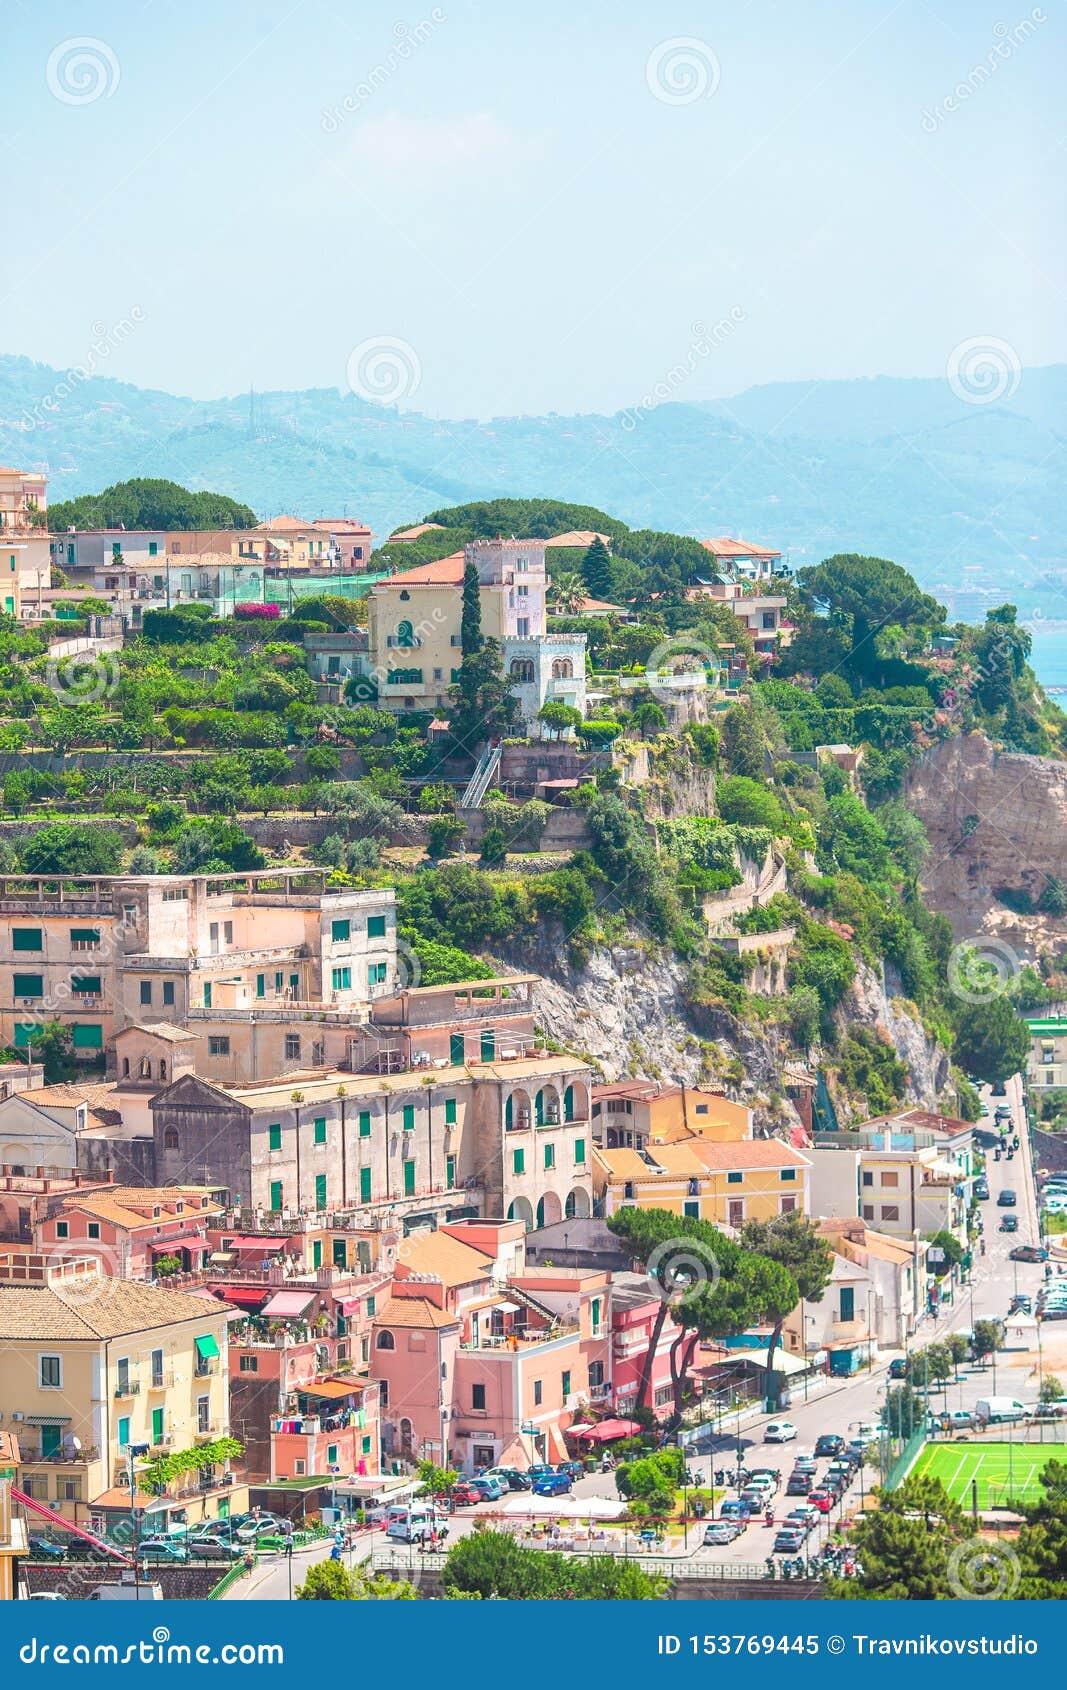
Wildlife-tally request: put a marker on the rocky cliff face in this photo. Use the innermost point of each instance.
(996, 820)
(627, 1010)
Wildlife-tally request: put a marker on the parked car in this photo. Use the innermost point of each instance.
(734, 1509)
(1010, 1223)
(573, 1469)
(806, 1464)
(43, 1549)
(207, 1548)
(1028, 1253)
(760, 1479)
(981, 1190)
(787, 1540)
(464, 1494)
(1006, 1199)
(258, 1526)
(804, 1512)
(779, 1432)
(159, 1549)
(516, 1479)
(538, 1471)
(799, 1484)
(755, 1500)
(1049, 1411)
(78, 1549)
(491, 1491)
(553, 1484)
(821, 1499)
(718, 1533)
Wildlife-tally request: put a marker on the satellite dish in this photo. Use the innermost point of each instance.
(75, 1443)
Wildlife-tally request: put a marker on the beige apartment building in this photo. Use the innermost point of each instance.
(414, 629)
(504, 1137)
(94, 1365)
(203, 951)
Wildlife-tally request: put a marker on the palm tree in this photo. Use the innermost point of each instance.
(566, 592)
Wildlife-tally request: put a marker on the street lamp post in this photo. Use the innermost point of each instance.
(133, 1451)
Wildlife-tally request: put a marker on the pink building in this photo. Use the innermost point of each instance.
(635, 1306)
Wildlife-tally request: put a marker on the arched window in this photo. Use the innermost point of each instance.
(562, 669)
(146, 1068)
(125, 1067)
(170, 1138)
(386, 1341)
(163, 1070)
(522, 669)
(405, 634)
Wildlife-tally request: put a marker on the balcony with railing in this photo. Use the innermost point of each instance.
(522, 1337)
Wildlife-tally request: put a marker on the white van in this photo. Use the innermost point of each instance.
(996, 1409)
(411, 1525)
(126, 1593)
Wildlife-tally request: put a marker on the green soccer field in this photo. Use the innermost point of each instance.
(1004, 1471)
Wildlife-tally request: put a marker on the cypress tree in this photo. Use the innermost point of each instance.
(596, 570)
(470, 628)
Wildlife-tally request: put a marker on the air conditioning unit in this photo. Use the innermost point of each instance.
(18, 1415)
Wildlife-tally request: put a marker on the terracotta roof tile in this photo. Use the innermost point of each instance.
(120, 1306)
(414, 1312)
(442, 572)
(447, 1258)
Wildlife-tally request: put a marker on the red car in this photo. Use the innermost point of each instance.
(822, 1500)
(463, 1495)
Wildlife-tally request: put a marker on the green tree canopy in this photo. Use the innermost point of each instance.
(992, 1042)
(145, 502)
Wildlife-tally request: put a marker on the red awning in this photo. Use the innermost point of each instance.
(267, 1245)
(164, 1244)
(608, 1430)
(243, 1296)
(290, 1302)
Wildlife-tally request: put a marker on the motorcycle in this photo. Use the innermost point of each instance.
(1015, 1142)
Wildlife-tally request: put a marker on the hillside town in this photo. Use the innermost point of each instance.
(331, 1235)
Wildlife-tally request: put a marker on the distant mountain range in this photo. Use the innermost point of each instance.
(899, 468)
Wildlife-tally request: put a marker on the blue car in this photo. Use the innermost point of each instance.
(489, 1488)
(553, 1484)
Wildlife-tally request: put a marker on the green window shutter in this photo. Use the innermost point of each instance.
(365, 1445)
(364, 1185)
(25, 1034)
(450, 1173)
(340, 930)
(78, 936)
(316, 1252)
(157, 1425)
(342, 979)
(735, 1179)
(409, 1117)
(274, 1136)
(409, 1179)
(568, 1104)
(456, 1050)
(565, 1383)
(320, 1191)
(261, 985)
(275, 1194)
(579, 1150)
(450, 1111)
(364, 1123)
(320, 1129)
(28, 939)
(489, 1046)
(340, 1254)
(376, 927)
(207, 994)
(29, 985)
(692, 1208)
(89, 983)
(124, 1431)
(372, 1307)
(88, 1038)
(331, 1455)
(518, 1161)
(550, 1155)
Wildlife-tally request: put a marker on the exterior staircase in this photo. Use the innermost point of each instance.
(482, 778)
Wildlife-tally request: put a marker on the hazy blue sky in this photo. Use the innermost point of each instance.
(513, 197)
